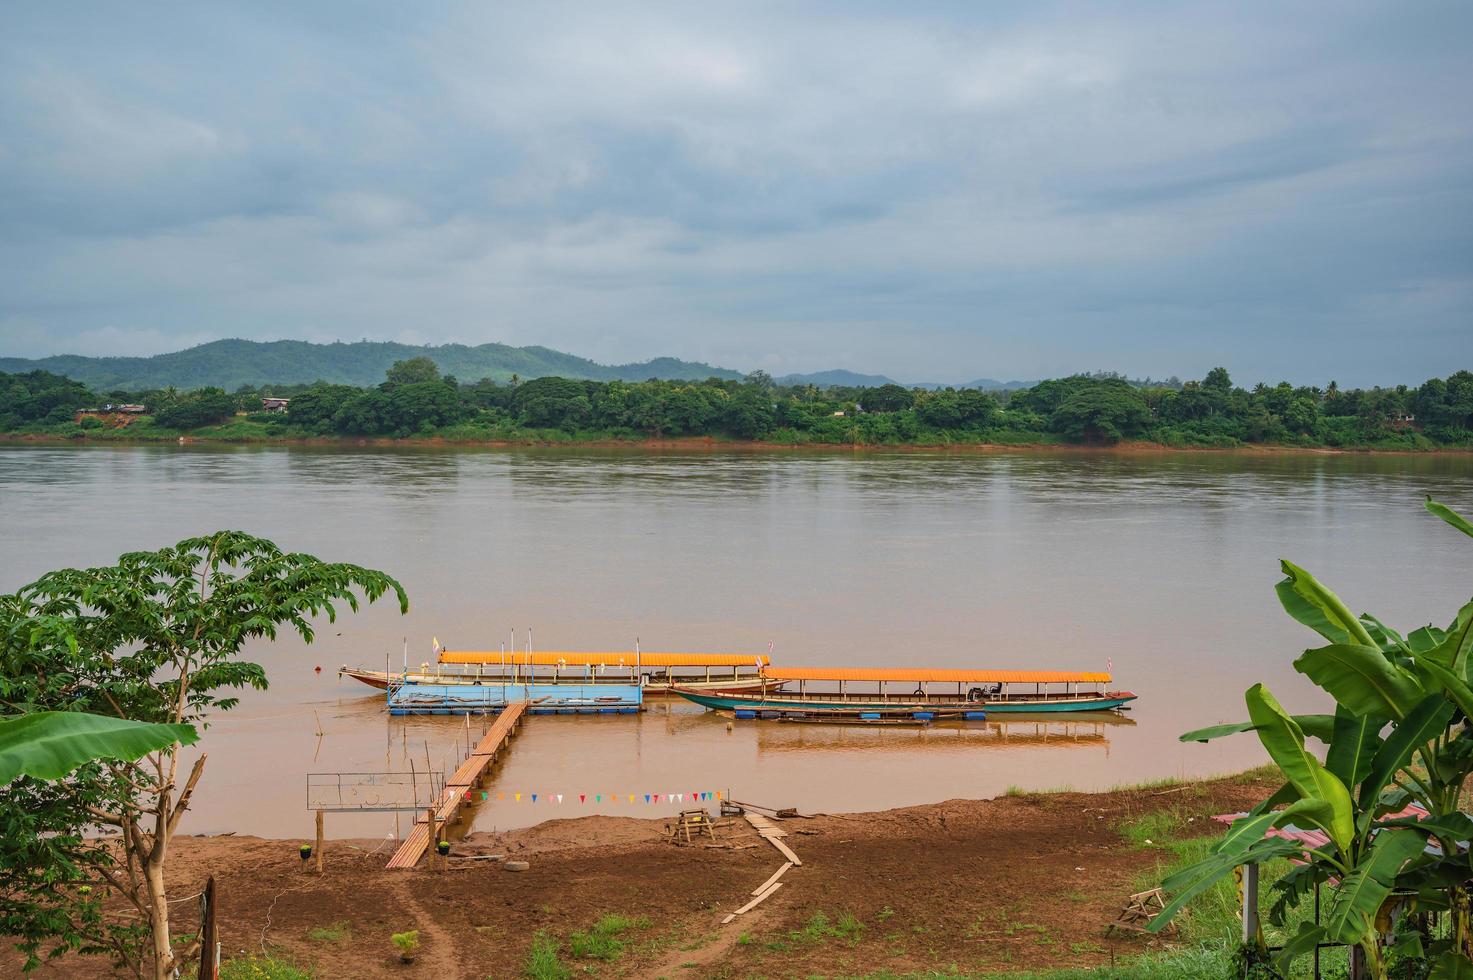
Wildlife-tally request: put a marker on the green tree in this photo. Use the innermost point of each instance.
(887, 398)
(207, 406)
(749, 414)
(155, 639)
(413, 371)
(1103, 412)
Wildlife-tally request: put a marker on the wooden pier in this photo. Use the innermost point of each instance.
(465, 779)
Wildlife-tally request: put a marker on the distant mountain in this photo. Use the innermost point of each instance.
(835, 379)
(229, 364)
(988, 384)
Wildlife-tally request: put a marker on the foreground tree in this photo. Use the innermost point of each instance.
(1402, 733)
(154, 639)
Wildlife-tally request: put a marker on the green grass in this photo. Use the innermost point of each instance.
(603, 942)
(261, 968)
(334, 933)
(543, 962)
(819, 928)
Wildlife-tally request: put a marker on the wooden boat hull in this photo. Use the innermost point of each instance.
(380, 679)
(759, 706)
(726, 701)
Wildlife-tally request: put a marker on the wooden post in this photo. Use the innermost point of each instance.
(1250, 904)
(319, 842)
(208, 964)
(434, 830)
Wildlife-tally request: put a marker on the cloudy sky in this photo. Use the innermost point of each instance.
(932, 191)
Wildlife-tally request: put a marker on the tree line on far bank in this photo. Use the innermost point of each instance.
(416, 400)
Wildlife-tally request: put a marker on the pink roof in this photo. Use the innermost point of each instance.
(1312, 839)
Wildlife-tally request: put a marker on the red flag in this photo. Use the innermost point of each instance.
(582, 798)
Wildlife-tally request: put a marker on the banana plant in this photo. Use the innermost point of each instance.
(1402, 732)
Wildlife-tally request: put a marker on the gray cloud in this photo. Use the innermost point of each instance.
(948, 192)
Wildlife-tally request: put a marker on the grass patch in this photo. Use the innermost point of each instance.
(603, 942)
(820, 928)
(262, 968)
(543, 961)
(334, 933)
(1152, 829)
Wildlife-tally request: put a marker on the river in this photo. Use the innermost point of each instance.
(1160, 563)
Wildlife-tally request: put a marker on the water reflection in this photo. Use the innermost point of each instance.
(1163, 563)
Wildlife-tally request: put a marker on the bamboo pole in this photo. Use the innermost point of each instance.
(319, 842)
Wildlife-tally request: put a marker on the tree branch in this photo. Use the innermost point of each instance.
(183, 804)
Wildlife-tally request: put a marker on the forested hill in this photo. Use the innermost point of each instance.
(229, 364)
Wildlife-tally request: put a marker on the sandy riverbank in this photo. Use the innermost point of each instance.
(982, 885)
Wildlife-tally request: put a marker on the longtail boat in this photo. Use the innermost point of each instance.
(914, 693)
(656, 672)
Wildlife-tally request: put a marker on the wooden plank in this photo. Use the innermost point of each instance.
(728, 918)
(786, 851)
(775, 876)
(764, 826)
(758, 900)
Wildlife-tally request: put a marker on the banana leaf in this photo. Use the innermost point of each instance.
(1356, 739)
(50, 744)
(1321, 727)
(1387, 639)
(1451, 516)
(1304, 941)
(1294, 886)
(1354, 904)
(1362, 679)
(1435, 675)
(1304, 598)
(1451, 966)
(1426, 721)
(1284, 741)
(1453, 826)
(1192, 881)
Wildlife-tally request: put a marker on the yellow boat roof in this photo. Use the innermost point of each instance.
(922, 675)
(628, 658)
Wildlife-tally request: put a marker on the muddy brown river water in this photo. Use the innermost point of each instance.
(1162, 563)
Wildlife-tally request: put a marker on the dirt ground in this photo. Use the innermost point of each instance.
(975, 885)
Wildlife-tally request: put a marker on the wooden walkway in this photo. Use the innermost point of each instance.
(447, 810)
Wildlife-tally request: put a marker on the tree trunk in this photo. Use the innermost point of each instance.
(1366, 961)
(158, 905)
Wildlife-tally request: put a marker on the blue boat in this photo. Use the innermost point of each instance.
(542, 699)
(914, 693)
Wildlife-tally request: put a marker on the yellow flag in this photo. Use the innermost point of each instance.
(519, 797)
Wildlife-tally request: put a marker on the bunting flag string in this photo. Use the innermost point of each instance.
(652, 798)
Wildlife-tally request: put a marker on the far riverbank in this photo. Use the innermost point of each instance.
(697, 444)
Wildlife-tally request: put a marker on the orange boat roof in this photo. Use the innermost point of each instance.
(627, 658)
(921, 675)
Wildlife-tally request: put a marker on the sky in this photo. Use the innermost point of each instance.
(932, 191)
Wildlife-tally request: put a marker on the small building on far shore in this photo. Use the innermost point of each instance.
(114, 415)
(275, 404)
